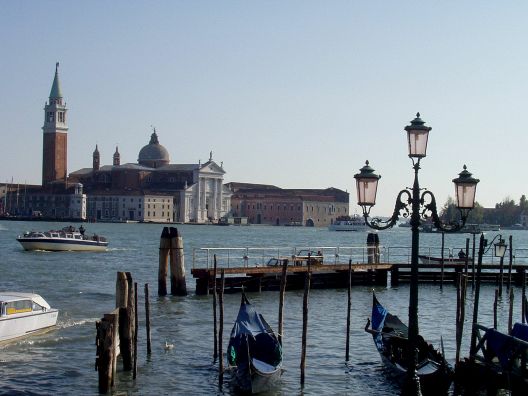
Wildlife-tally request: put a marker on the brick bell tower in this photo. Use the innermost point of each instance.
(55, 139)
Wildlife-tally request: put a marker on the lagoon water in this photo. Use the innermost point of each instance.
(82, 286)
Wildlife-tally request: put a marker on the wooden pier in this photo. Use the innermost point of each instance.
(328, 276)
(268, 278)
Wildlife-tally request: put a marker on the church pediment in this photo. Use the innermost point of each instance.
(211, 167)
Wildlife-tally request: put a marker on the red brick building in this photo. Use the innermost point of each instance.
(266, 204)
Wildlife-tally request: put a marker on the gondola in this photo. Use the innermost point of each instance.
(254, 353)
(391, 339)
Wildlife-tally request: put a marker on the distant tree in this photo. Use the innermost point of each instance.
(523, 203)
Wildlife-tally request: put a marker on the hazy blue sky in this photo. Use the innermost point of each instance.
(292, 93)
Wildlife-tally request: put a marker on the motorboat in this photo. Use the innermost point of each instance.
(23, 314)
(447, 260)
(67, 239)
(348, 223)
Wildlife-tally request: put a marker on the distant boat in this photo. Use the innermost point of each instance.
(23, 314)
(438, 260)
(347, 223)
(67, 239)
(392, 342)
(254, 352)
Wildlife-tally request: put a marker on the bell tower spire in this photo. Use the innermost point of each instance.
(55, 139)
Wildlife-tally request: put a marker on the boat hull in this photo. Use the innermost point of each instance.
(58, 245)
(23, 325)
(438, 260)
(251, 380)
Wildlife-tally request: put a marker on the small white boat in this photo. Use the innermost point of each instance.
(347, 223)
(23, 314)
(67, 239)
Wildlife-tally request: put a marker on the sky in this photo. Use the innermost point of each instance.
(298, 94)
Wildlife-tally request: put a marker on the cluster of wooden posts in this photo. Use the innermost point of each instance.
(171, 249)
(218, 294)
(482, 368)
(117, 333)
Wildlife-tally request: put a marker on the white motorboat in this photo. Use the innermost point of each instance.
(67, 239)
(22, 314)
(347, 223)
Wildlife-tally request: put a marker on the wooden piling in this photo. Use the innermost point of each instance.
(281, 297)
(105, 343)
(473, 345)
(121, 290)
(305, 322)
(510, 316)
(501, 275)
(215, 353)
(523, 291)
(134, 372)
(510, 263)
(221, 331)
(467, 259)
(495, 309)
(147, 319)
(126, 319)
(164, 248)
(442, 263)
(349, 305)
(461, 311)
(177, 264)
(473, 264)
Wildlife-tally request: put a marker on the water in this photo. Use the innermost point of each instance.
(82, 287)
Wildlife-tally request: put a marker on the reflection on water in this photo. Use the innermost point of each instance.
(82, 287)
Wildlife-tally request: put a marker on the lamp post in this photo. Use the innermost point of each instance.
(499, 251)
(410, 202)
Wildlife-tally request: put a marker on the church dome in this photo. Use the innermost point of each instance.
(153, 154)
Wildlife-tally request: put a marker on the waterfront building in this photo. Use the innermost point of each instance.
(196, 190)
(266, 204)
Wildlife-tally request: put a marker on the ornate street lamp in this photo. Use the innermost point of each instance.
(410, 203)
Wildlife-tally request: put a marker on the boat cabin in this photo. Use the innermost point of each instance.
(20, 303)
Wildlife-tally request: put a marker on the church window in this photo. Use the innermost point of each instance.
(50, 116)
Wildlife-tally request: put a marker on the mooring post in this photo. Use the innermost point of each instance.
(349, 305)
(501, 275)
(510, 316)
(305, 322)
(177, 264)
(147, 319)
(134, 372)
(461, 311)
(510, 264)
(163, 261)
(524, 301)
(467, 258)
(281, 297)
(473, 345)
(126, 320)
(121, 290)
(221, 330)
(105, 353)
(442, 263)
(495, 309)
(215, 334)
(473, 263)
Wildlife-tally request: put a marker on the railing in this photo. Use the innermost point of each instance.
(260, 256)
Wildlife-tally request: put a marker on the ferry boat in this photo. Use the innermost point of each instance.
(347, 223)
(67, 239)
(23, 314)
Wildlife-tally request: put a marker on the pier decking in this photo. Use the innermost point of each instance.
(334, 274)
